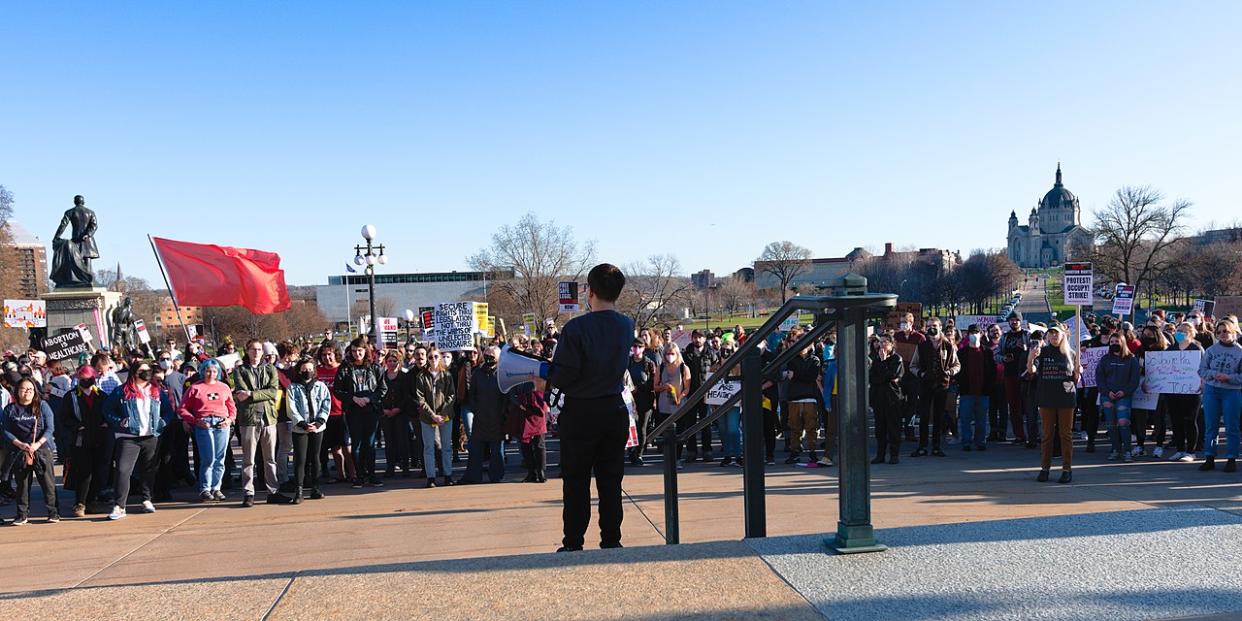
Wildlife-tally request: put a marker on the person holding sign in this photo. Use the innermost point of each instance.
(1116, 378)
(1184, 409)
(1056, 372)
(885, 376)
(589, 369)
(1221, 370)
(1152, 340)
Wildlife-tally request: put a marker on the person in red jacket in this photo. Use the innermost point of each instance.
(975, 382)
(207, 411)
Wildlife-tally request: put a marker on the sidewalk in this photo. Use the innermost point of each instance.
(481, 550)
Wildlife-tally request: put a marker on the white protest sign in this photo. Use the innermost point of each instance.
(1090, 360)
(963, 322)
(1144, 400)
(228, 361)
(1123, 303)
(25, 314)
(141, 328)
(721, 392)
(791, 322)
(1076, 287)
(682, 338)
(1173, 372)
(86, 333)
(1073, 327)
(455, 326)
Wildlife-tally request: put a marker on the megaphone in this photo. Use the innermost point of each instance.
(515, 369)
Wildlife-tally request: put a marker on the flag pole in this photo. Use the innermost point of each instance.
(172, 294)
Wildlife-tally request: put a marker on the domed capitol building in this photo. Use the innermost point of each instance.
(1053, 233)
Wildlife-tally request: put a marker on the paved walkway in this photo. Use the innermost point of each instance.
(482, 551)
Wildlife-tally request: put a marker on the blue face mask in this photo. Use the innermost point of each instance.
(1179, 336)
(829, 349)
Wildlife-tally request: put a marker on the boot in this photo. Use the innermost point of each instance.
(892, 457)
(1231, 465)
(1208, 464)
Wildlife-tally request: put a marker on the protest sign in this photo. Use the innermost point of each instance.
(1173, 372)
(1072, 327)
(682, 338)
(1207, 307)
(86, 333)
(529, 322)
(791, 322)
(1077, 283)
(1144, 400)
(569, 297)
(455, 326)
(963, 322)
(140, 327)
(899, 311)
(428, 316)
(228, 361)
(66, 345)
(1123, 303)
(25, 314)
(721, 392)
(1090, 360)
(388, 327)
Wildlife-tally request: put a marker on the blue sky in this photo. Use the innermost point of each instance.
(704, 129)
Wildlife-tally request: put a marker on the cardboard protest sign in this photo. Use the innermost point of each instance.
(1123, 302)
(25, 314)
(899, 311)
(1174, 372)
(569, 297)
(1077, 283)
(721, 392)
(1227, 305)
(1090, 360)
(66, 345)
(455, 326)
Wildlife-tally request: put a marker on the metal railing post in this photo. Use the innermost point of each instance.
(672, 527)
(754, 491)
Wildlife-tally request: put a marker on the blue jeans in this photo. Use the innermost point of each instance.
(444, 435)
(1221, 403)
(731, 432)
(467, 420)
(1116, 413)
(495, 461)
(972, 419)
(212, 443)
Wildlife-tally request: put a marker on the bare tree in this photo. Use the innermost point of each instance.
(6, 205)
(540, 254)
(651, 286)
(785, 261)
(1135, 233)
(734, 294)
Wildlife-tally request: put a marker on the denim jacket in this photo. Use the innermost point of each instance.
(120, 408)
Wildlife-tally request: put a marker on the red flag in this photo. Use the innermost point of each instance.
(210, 275)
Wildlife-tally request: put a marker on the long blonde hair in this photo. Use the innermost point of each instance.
(675, 349)
(1065, 346)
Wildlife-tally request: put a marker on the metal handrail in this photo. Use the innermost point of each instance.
(796, 303)
(779, 361)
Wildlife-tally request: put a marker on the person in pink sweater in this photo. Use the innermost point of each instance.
(208, 409)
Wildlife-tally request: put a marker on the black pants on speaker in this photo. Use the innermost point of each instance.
(593, 433)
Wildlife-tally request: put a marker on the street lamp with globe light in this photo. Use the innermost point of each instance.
(371, 254)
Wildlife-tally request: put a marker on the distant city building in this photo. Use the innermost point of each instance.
(1053, 233)
(1219, 236)
(746, 274)
(823, 273)
(703, 279)
(31, 260)
(401, 290)
(169, 323)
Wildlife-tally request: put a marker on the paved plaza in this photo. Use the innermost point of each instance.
(971, 536)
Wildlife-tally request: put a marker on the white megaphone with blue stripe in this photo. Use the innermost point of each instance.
(515, 369)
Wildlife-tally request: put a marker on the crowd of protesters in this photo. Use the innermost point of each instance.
(308, 415)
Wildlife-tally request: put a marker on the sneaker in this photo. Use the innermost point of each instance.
(1157, 452)
(793, 458)
(206, 496)
(147, 507)
(248, 500)
(431, 482)
(738, 463)
(1187, 457)
(1136, 451)
(771, 461)
(79, 510)
(316, 495)
(1125, 457)
(218, 495)
(117, 513)
(726, 462)
(808, 464)
(1114, 456)
(1176, 456)
(53, 518)
(20, 520)
(825, 462)
(356, 484)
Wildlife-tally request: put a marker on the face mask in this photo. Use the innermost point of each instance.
(145, 375)
(904, 326)
(671, 358)
(305, 376)
(165, 364)
(933, 331)
(86, 383)
(1114, 348)
(489, 359)
(974, 340)
(1179, 336)
(1194, 321)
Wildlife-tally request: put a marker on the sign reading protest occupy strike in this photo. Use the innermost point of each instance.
(1174, 372)
(721, 392)
(569, 297)
(140, 327)
(25, 314)
(65, 346)
(1123, 303)
(1090, 360)
(455, 326)
(1077, 284)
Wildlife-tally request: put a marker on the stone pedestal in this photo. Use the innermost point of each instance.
(66, 308)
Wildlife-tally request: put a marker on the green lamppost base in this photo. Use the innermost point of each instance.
(854, 540)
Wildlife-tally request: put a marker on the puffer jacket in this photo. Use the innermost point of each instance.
(432, 394)
(358, 381)
(264, 387)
